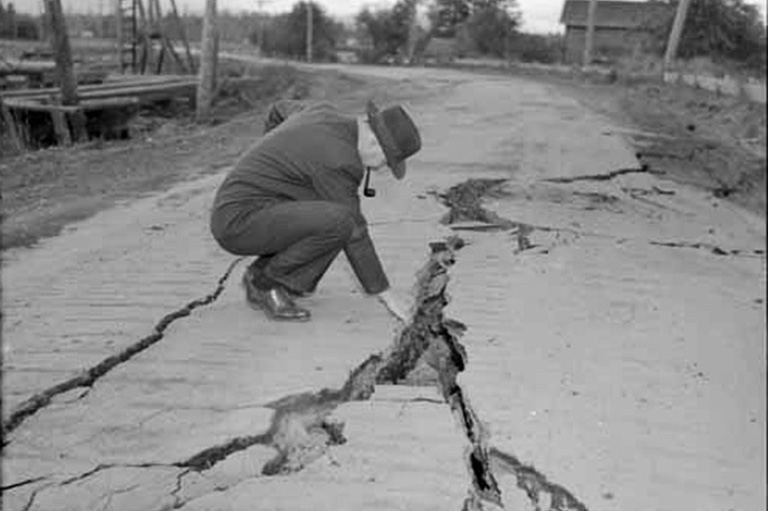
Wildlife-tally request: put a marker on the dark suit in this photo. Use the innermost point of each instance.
(293, 198)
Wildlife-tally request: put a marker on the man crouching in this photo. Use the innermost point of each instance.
(292, 199)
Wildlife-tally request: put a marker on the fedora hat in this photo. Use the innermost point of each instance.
(397, 135)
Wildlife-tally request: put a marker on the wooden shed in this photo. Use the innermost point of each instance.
(620, 27)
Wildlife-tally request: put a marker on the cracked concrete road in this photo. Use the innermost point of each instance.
(613, 358)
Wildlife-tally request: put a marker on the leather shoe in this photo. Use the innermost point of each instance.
(275, 302)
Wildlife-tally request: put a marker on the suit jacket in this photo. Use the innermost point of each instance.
(308, 153)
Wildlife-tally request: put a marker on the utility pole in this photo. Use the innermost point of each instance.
(67, 80)
(118, 6)
(677, 31)
(589, 38)
(207, 75)
(262, 25)
(310, 28)
(62, 52)
(413, 31)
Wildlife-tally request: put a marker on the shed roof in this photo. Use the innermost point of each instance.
(613, 14)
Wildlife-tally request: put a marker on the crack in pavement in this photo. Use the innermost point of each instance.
(710, 247)
(89, 377)
(644, 169)
(177, 501)
(486, 461)
(33, 496)
(85, 475)
(302, 430)
(22, 483)
(536, 485)
(464, 202)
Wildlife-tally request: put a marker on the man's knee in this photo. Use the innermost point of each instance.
(341, 222)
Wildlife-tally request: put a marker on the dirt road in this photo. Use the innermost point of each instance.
(614, 349)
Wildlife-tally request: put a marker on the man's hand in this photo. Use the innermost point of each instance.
(393, 306)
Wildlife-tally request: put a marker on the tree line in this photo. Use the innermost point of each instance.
(728, 30)
(723, 30)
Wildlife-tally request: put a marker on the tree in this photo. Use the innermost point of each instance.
(286, 34)
(447, 15)
(387, 30)
(491, 25)
(720, 29)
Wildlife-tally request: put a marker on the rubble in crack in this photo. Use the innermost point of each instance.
(302, 428)
(464, 203)
(543, 494)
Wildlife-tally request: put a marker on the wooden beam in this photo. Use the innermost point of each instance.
(183, 35)
(87, 104)
(62, 52)
(207, 73)
(172, 52)
(83, 90)
(63, 57)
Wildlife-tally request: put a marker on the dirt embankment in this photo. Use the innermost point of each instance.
(696, 137)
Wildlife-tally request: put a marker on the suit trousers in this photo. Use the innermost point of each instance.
(296, 240)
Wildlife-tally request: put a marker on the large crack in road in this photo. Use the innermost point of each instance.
(303, 428)
(87, 378)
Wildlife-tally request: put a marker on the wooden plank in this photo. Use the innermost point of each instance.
(61, 128)
(39, 107)
(10, 123)
(55, 91)
(85, 105)
(161, 92)
(102, 89)
(106, 103)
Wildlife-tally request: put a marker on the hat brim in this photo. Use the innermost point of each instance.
(397, 168)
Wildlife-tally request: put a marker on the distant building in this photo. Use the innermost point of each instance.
(621, 28)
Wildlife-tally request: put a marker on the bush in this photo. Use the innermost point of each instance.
(386, 31)
(545, 49)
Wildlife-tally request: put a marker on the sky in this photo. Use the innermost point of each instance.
(538, 15)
